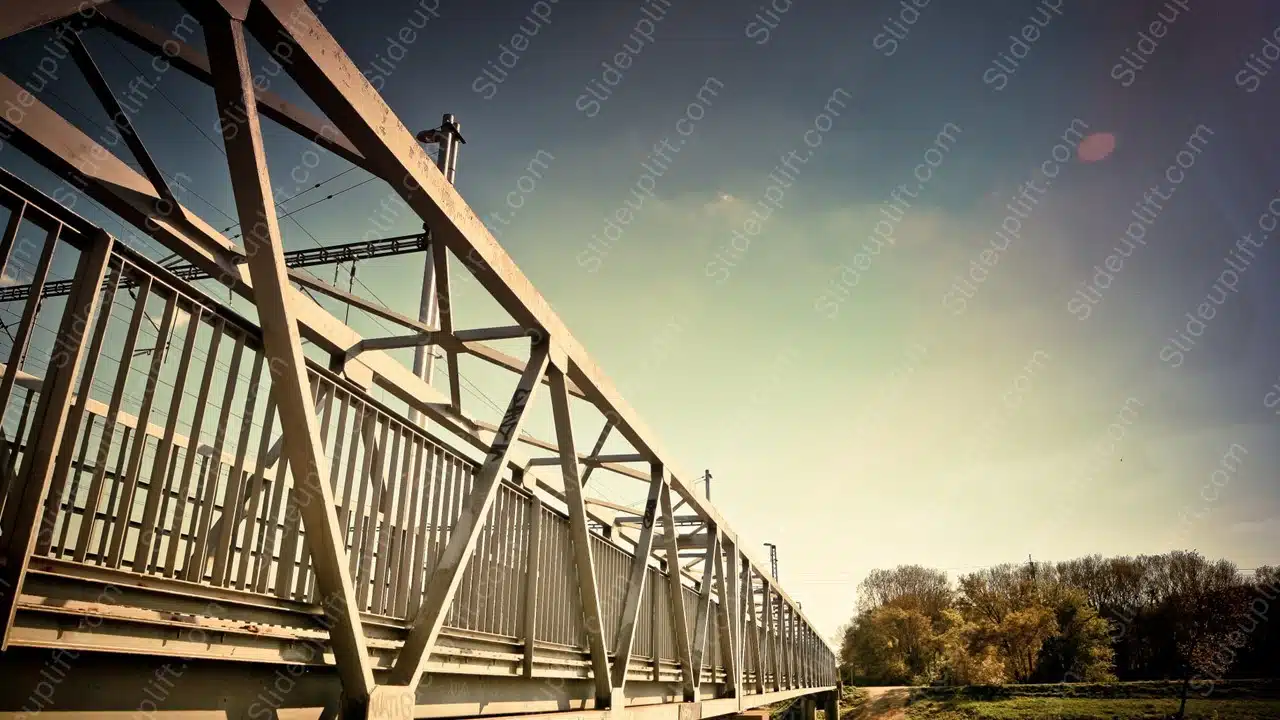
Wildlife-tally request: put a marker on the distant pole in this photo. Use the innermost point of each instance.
(773, 559)
(351, 286)
(706, 479)
(448, 137)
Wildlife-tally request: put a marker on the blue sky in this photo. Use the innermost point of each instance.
(892, 430)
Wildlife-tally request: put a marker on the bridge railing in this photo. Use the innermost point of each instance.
(169, 466)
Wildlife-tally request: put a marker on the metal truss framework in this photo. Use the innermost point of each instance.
(766, 647)
(305, 257)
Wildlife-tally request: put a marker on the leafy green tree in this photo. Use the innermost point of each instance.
(891, 645)
(1175, 615)
(893, 640)
(967, 657)
(907, 586)
(1081, 650)
(1021, 635)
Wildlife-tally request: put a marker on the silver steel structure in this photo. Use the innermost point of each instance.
(200, 515)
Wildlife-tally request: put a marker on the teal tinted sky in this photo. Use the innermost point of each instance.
(860, 402)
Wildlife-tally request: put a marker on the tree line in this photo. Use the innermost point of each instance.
(1175, 616)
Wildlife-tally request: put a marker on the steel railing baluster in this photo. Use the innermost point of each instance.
(89, 523)
(256, 489)
(155, 511)
(233, 499)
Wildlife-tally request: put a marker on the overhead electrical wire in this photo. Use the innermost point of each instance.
(172, 104)
(235, 223)
(331, 196)
(468, 385)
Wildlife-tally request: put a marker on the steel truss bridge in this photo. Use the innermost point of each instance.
(201, 516)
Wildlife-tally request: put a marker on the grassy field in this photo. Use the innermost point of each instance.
(1154, 689)
(1233, 700)
(853, 703)
(1044, 708)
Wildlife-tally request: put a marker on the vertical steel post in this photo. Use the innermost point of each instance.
(532, 561)
(424, 359)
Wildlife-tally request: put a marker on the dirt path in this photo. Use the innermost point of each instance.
(883, 703)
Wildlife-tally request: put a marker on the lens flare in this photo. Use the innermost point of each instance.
(1096, 147)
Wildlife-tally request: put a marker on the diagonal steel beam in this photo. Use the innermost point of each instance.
(242, 134)
(704, 605)
(676, 590)
(733, 602)
(580, 537)
(174, 51)
(635, 585)
(595, 449)
(17, 16)
(724, 615)
(756, 654)
(119, 118)
(466, 531)
(496, 357)
(16, 214)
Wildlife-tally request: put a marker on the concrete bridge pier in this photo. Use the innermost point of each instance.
(831, 704)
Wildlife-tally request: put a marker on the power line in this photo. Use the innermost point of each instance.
(83, 114)
(289, 215)
(236, 223)
(171, 178)
(172, 104)
(470, 386)
(184, 188)
(331, 196)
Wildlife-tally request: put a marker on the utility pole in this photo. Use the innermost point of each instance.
(449, 137)
(706, 480)
(773, 559)
(351, 286)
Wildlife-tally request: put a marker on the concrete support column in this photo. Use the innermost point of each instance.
(809, 708)
(832, 704)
